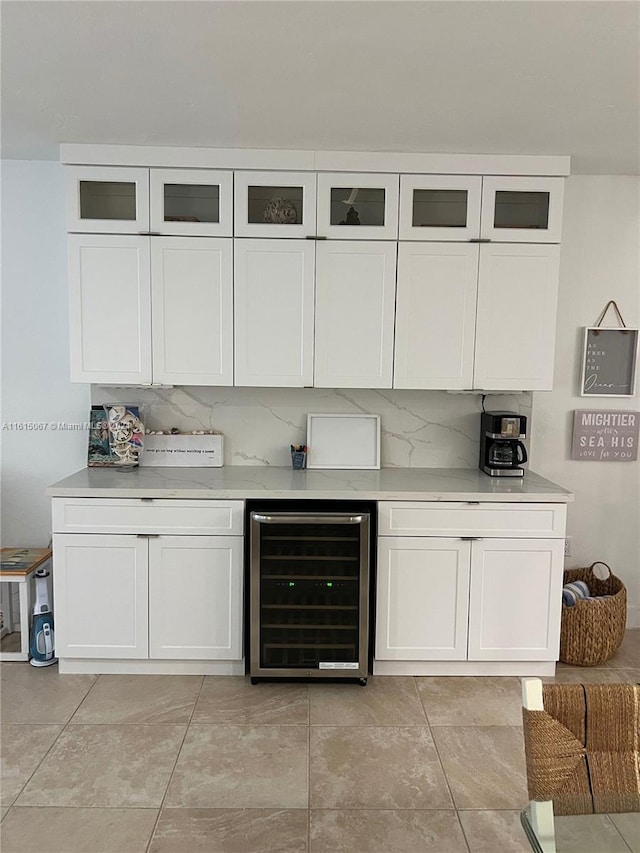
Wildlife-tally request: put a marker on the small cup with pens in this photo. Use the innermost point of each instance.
(298, 456)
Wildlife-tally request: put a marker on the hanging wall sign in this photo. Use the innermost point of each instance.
(605, 436)
(609, 362)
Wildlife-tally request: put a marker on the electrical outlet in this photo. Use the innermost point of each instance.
(567, 546)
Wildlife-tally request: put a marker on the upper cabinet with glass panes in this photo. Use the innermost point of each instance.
(440, 207)
(275, 204)
(194, 202)
(107, 199)
(497, 209)
(356, 206)
(522, 210)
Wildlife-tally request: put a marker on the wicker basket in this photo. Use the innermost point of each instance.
(592, 630)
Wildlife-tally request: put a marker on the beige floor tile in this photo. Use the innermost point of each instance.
(110, 766)
(376, 768)
(592, 675)
(628, 825)
(22, 748)
(251, 767)
(231, 831)
(485, 766)
(3, 811)
(235, 701)
(471, 701)
(385, 701)
(40, 695)
(147, 699)
(387, 831)
(63, 830)
(628, 655)
(592, 833)
(489, 831)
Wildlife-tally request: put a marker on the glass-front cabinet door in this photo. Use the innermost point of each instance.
(357, 206)
(107, 200)
(521, 209)
(440, 207)
(194, 202)
(275, 204)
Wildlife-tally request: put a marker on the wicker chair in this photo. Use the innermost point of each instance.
(581, 747)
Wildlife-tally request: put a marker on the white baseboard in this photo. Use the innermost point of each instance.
(463, 667)
(149, 667)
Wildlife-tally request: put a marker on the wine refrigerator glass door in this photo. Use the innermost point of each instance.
(309, 595)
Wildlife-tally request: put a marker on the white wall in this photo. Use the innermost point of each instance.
(35, 360)
(600, 261)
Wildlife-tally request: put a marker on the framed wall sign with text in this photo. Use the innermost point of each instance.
(609, 361)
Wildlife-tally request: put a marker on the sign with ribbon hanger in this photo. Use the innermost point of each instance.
(609, 358)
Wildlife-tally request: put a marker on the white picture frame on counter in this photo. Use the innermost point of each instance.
(343, 441)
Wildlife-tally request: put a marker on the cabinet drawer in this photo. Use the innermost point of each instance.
(449, 518)
(128, 515)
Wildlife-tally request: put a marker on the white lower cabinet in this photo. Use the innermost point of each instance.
(195, 597)
(423, 598)
(515, 599)
(484, 603)
(100, 596)
(159, 600)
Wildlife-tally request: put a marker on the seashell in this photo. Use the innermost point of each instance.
(281, 211)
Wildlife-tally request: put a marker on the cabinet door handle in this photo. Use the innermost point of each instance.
(146, 500)
(480, 240)
(472, 538)
(147, 535)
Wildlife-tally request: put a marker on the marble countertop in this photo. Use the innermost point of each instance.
(247, 481)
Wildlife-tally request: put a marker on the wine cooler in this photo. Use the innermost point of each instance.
(309, 599)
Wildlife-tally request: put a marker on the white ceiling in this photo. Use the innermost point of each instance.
(508, 76)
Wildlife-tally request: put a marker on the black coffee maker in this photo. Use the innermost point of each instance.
(501, 448)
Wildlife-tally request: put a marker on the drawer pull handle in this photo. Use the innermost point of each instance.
(148, 535)
(146, 500)
(471, 538)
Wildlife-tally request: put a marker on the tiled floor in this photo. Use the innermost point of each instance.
(165, 764)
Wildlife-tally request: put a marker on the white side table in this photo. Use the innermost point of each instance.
(17, 565)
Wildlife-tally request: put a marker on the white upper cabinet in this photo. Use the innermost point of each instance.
(273, 310)
(110, 308)
(107, 199)
(355, 296)
(435, 315)
(196, 202)
(440, 207)
(192, 310)
(522, 210)
(275, 204)
(516, 322)
(354, 206)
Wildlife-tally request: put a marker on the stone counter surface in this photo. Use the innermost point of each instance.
(244, 481)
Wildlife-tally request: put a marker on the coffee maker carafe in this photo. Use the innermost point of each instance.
(501, 449)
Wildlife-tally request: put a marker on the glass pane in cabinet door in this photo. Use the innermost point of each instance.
(191, 203)
(275, 205)
(107, 200)
(440, 208)
(357, 206)
(521, 209)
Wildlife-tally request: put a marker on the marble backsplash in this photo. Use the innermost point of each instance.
(419, 429)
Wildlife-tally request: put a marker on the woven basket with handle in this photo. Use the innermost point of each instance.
(592, 630)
